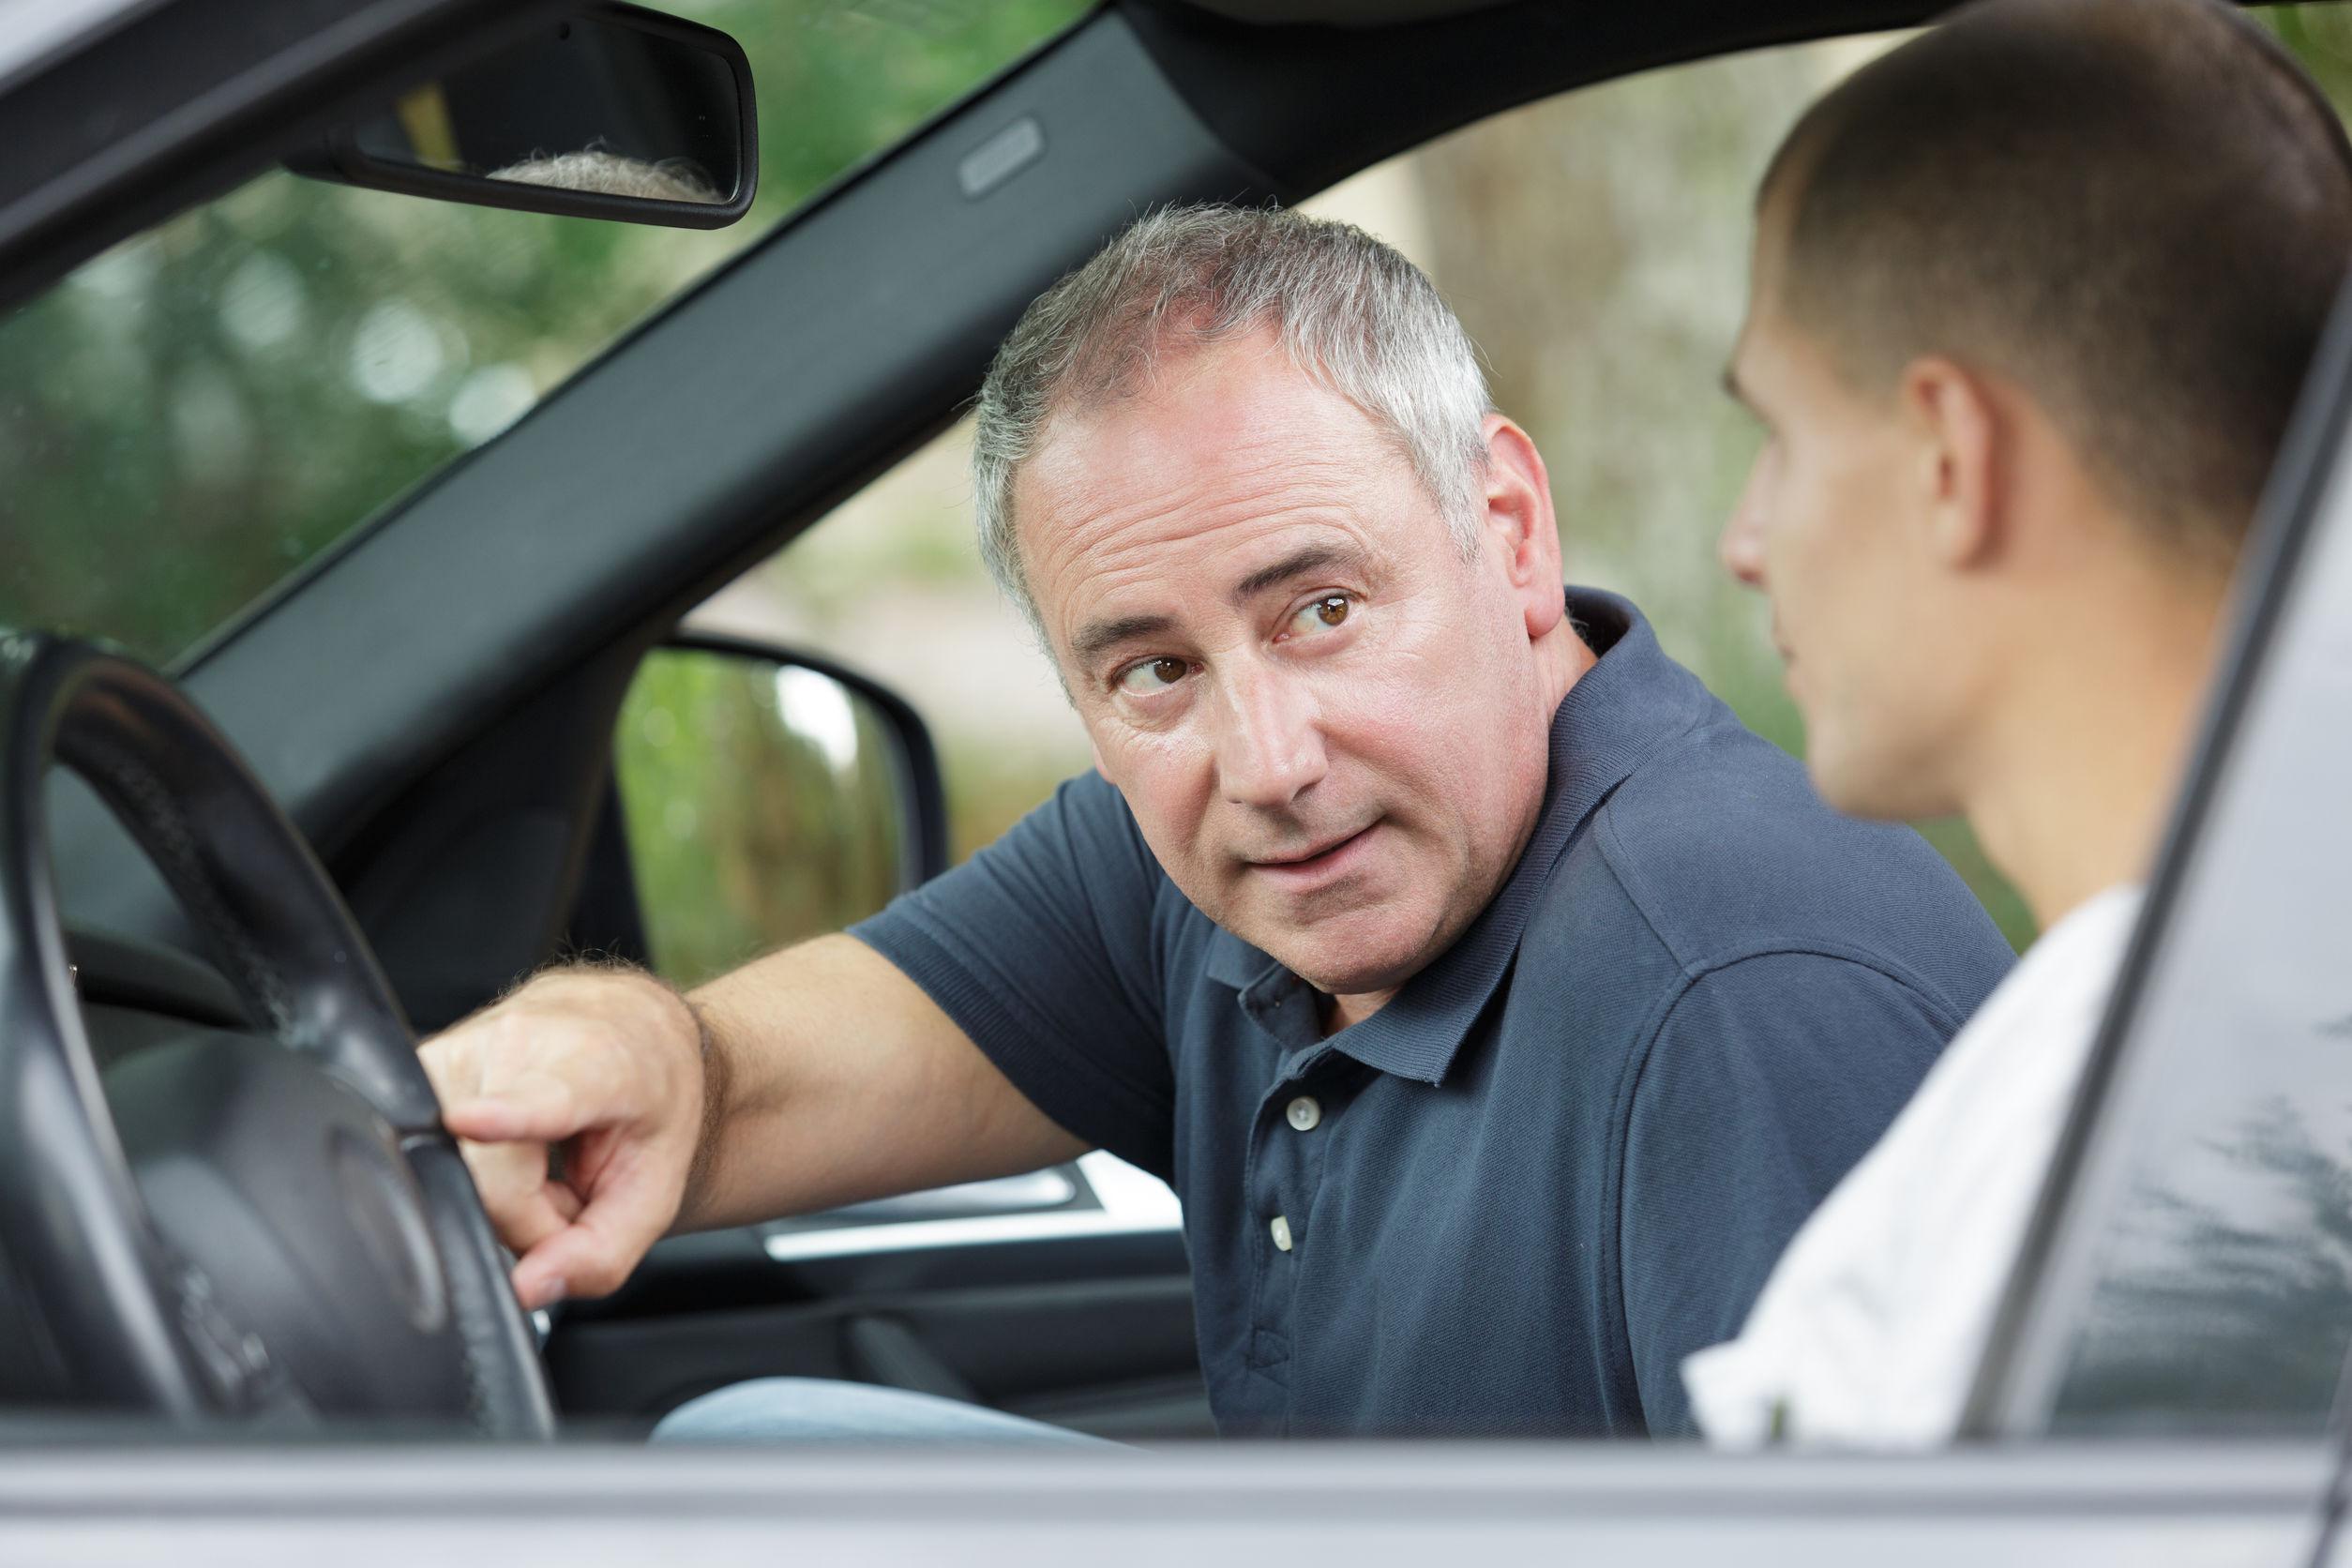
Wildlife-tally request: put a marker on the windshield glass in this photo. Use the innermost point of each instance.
(189, 417)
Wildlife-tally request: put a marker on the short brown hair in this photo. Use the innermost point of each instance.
(2138, 210)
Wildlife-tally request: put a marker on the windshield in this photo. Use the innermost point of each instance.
(189, 417)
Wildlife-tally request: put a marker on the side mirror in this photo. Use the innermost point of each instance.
(768, 797)
(616, 113)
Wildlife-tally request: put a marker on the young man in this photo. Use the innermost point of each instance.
(2032, 299)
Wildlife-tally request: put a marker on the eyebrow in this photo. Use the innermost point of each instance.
(1312, 558)
(1101, 636)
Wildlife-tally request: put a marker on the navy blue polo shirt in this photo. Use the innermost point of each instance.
(1569, 1150)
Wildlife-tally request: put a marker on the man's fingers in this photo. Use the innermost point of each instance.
(576, 1261)
(609, 1069)
(524, 1226)
(454, 1068)
(525, 1208)
(538, 1107)
(630, 1210)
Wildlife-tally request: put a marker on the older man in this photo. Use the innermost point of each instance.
(1496, 1004)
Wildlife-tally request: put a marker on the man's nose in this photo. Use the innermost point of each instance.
(1741, 548)
(1271, 750)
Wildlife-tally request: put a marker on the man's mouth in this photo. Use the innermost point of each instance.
(1317, 863)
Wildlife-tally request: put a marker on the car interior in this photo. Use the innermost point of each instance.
(431, 702)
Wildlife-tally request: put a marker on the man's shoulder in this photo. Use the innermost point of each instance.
(1720, 843)
(1087, 816)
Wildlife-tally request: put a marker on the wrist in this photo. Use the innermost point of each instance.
(694, 1036)
(686, 1028)
(715, 1082)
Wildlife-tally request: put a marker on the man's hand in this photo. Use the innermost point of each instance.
(815, 1077)
(607, 1065)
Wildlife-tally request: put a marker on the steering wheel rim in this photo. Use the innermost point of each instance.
(129, 1320)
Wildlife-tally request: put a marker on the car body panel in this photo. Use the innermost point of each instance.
(2109, 1507)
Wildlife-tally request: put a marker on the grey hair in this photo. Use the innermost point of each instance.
(1350, 312)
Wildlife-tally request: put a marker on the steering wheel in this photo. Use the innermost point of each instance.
(269, 1223)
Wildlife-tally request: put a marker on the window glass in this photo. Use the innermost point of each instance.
(890, 583)
(189, 417)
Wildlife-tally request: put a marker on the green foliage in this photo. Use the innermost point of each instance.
(2319, 36)
(189, 417)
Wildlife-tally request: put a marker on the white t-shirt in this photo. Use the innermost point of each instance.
(1868, 1333)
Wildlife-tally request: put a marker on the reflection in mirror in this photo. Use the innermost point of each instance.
(764, 802)
(595, 104)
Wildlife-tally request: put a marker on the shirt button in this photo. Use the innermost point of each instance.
(1305, 1113)
(1281, 1228)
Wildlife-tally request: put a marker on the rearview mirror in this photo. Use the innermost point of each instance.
(616, 113)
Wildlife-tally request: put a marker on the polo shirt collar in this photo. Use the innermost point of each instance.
(1631, 699)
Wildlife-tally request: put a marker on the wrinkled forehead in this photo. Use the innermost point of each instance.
(1233, 452)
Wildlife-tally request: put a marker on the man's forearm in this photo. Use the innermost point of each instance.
(830, 1078)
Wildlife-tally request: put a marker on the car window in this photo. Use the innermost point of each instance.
(1595, 245)
(189, 417)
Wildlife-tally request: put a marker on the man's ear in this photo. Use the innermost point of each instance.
(1521, 531)
(1962, 454)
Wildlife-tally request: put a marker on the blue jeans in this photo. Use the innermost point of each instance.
(815, 1409)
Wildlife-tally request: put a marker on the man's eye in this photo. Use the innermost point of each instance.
(1322, 615)
(1153, 674)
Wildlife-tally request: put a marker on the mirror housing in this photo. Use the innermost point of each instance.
(612, 111)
